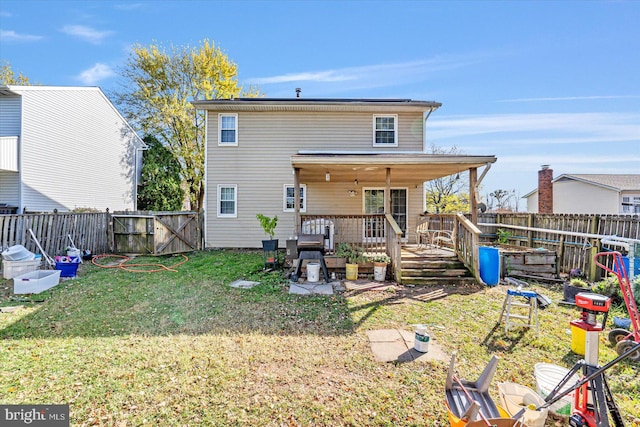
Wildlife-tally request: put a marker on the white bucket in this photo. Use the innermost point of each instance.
(379, 272)
(515, 397)
(313, 272)
(548, 376)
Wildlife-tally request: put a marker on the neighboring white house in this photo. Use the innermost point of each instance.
(65, 148)
(592, 194)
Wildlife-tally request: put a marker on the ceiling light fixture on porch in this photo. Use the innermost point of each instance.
(352, 193)
(355, 182)
(327, 176)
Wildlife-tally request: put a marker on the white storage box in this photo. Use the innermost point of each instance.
(36, 281)
(11, 269)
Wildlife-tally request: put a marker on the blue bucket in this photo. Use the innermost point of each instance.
(489, 265)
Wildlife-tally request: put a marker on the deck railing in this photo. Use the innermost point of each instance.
(374, 234)
(365, 231)
(467, 240)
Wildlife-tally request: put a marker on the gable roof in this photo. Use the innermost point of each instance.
(614, 182)
(617, 182)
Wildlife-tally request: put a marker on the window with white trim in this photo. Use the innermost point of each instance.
(631, 204)
(385, 132)
(227, 129)
(227, 201)
(288, 202)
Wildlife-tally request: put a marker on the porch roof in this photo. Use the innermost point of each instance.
(413, 167)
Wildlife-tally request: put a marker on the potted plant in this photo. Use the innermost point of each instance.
(269, 226)
(574, 287)
(353, 256)
(380, 262)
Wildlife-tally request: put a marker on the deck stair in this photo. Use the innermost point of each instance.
(433, 267)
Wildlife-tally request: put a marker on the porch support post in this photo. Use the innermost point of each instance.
(473, 194)
(296, 201)
(387, 199)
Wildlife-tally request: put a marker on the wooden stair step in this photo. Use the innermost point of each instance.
(432, 281)
(436, 272)
(421, 265)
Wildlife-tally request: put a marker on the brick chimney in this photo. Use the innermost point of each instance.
(545, 190)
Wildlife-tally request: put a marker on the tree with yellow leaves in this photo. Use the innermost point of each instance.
(156, 98)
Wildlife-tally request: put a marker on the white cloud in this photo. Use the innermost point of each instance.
(547, 128)
(571, 98)
(377, 75)
(96, 73)
(10, 35)
(86, 33)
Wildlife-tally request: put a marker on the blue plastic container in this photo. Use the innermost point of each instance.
(636, 266)
(67, 269)
(489, 265)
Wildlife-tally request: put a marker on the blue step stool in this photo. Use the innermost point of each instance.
(516, 312)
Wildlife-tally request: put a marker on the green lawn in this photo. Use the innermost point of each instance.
(184, 349)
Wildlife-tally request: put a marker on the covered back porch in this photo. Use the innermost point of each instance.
(388, 216)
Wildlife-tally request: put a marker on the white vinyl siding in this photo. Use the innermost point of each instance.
(385, 133)
(261, 165)
(77, 151)
(227, 201)
(228, 129)
(288, 204)
(575, 197)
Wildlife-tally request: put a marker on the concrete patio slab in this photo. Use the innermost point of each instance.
(396, 345)
(318, 288)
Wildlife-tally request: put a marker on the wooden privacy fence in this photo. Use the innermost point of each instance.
(157, 233)
(88, 231)
(571, 236)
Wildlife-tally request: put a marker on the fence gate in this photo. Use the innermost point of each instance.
(159, 233)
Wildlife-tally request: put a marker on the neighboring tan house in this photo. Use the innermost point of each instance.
(585, 193)
(65, 148)
(351, 159)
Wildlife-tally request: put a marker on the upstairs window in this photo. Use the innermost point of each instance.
(385, 132)
(289, 203)
(227, 129)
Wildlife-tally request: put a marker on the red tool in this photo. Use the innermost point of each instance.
(623, 340)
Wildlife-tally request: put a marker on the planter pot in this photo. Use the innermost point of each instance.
(569, 292)
(379, 271)
(352, 271)
(270, 245)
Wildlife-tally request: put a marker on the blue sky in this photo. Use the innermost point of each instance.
(533, 83)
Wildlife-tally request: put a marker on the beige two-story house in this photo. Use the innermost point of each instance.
(351, 160)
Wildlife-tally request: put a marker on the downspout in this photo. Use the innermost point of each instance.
(424, 130)
(424, 150)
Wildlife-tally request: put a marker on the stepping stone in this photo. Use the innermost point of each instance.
(396, 345)
(243, 284)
